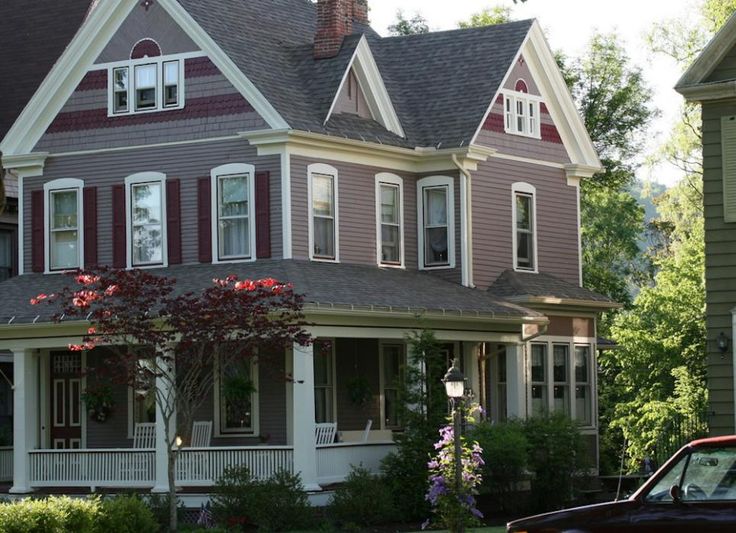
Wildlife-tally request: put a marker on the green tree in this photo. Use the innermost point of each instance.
(413, 26)
(488, 17)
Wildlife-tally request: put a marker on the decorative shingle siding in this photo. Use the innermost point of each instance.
(186, 162)
(720, 273)
(557, 230)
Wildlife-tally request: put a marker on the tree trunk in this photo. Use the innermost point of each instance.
(173, 507)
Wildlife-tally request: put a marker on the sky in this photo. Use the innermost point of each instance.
(569, 25)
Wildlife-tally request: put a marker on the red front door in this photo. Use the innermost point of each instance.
(66, 400)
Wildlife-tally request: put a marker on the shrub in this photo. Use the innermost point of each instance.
(158, 504)
(126, 514)
(277, 504)
(363, 499)
(505, 449)
(52, 515)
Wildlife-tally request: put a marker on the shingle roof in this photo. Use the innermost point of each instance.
(441, 83)
(35, 33)
(327, 285)
(515, 285)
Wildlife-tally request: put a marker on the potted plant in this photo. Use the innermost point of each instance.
(99, 402)
(359, 391)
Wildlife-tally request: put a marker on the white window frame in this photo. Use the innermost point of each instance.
(136, 179)
(510, 124)
(233, 170)
(382, 377)
(333, 355)
(255, 430)
(60, 185)
(385, 178)
(130, 65)
(329, 170)
(524, 188)
(428, 183)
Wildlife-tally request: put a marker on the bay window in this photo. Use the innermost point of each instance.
(390, 217)
(64, 224)
(146, 207)
(323, 217)
(525, 227)
(435, 202)
(234, 227)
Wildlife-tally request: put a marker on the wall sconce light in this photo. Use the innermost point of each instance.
(722, 341)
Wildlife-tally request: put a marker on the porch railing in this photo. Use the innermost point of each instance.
(6, 463)
(204, 466)
(115, 468)
(334, 461)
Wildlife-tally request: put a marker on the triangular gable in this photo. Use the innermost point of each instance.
(370, 83)
(89, 43)
(551, 86)
(711, 56)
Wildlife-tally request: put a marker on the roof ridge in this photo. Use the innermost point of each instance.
(478, 29)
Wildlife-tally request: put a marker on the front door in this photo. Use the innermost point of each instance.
(66, 400)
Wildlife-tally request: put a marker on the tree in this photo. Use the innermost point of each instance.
(488, 17)
(403, 26)
(159, 339)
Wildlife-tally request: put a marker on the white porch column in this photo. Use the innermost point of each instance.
(164, 391)
(25, 418)
(470, 364)
(516, 384)
(305, 451)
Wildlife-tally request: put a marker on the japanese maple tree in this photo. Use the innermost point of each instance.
(153, 333)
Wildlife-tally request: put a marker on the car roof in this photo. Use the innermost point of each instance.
(711, 441)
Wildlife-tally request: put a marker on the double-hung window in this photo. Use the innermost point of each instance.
(146, 206)
(583, 398)
(560, 372)
(64, 224)
(324, 381)
(390, 217)
(236, 405)
(436, 222)
(6, 254)
(323, 217)
(521, 114)
(525, 227)
(171, 76)
(393, 362)
(146, 85)
(234, 228)
(539, 379)
(120, 89)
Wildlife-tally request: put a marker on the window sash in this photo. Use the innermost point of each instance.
(121, 90)
(323, 216)
(521, 115)
(6, 254)
(64, 236)
(390, 221)
(244, 408)
(170, 75)
(324, 383)
(433, 249)
(525, 231)
(561, 377)
(146, 96)
(146, 227)
(583, 390)
(239, 239)
(393, 363)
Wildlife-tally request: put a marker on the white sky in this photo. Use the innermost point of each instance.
(569, 25)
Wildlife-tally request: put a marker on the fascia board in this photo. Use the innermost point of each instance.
(710, 91)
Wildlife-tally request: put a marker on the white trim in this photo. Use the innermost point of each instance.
(233, 170)
(182, 56)
(287, 252)
(130, 181)
(369, 77)
(329, 170)
(710, 57)
(429, 182)
(139, 147)
(254, 431)
(139, 41)
(579, 231)
(21, 225)
(526, 189)
(59, 185)
(394, 180)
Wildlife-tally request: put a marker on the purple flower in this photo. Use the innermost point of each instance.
(476, 512)
(425, 524)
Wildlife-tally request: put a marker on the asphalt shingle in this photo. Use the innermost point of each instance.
(512, 284)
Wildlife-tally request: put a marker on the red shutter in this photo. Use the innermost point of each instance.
(173, 220)
(37, 232)
(119, 237)
(263, 215)
(204, 217)
(90, 227)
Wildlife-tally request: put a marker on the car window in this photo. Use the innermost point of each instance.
(710, 475)
(661, 491)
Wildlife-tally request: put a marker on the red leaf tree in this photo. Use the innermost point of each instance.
(155, 335)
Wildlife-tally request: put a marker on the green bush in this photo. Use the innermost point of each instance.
(52, 515)
(277, 504)
(158, 504)
(126, 514)
(363, 500)
(505, 450)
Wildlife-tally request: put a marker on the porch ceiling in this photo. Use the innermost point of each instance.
(323, 285)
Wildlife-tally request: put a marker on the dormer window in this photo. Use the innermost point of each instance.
(150, 83)
(521, 112)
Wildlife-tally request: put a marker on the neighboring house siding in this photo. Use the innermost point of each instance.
(357, 358)
(186, 162)
(151, 23)
(557, 225)
(726, 70)
(720, 274)
(213, 108)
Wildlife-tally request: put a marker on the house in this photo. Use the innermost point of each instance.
(710, 81)
(400, 183)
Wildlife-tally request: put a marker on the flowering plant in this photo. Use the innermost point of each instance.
(453, 506)
(99, 402)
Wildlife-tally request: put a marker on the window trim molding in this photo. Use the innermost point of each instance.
(322, 168)
(232, 169)
(255, 431)
(428, 182)
(134, 179)
(512, 95)
(529, 190)
(130, 64)
(62, 185)
(388, 178)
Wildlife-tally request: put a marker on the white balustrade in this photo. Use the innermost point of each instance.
(6, 463)
(116, 468)
(334, 461)
(204, 466)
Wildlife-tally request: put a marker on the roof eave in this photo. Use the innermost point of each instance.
(706, 92)
(564, 302)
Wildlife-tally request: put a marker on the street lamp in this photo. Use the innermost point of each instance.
(454, 382)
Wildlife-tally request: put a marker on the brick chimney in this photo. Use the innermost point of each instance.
(334, 22)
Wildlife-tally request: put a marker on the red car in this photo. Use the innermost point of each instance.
(695, 491)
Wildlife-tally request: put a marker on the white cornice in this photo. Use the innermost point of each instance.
(581, 171)
(711, 91)
(26, 165)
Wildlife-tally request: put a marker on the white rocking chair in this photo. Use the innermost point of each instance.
(325, 433)
(201, 434)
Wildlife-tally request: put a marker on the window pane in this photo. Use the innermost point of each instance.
(435, 206)
(147, 224)
(523, 212)
(171, 72)
(582, 355)
(390, 244)
(144, 406)
(120, 90)
(236, 396)
(64, 210)
(539, 400)
(322, 195)
(234, 238)
(323, 405)
(64, 250)
(121, 79)
(389, 204)
(145, 86)
(233, 196)
(560, 362)
(539, 362)
(583, 405)
(323, 368)
(147, 245)
(6, 255)
(147, 203)
(561, 402)
(524, 249)
(324, 237)
(436, 247)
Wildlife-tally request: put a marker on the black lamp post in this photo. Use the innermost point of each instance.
(454, 382)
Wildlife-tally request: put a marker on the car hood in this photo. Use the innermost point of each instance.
(570, 518)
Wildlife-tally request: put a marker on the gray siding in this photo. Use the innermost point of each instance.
(152, 23)
(357, 358)
(720, 274)
(187, 162)
(557, 229)
(726, 70)
(521, 71)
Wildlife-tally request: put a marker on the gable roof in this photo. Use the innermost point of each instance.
(32, 40)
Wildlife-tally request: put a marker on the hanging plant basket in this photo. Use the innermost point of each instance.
(359, 391)
(99, 402)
